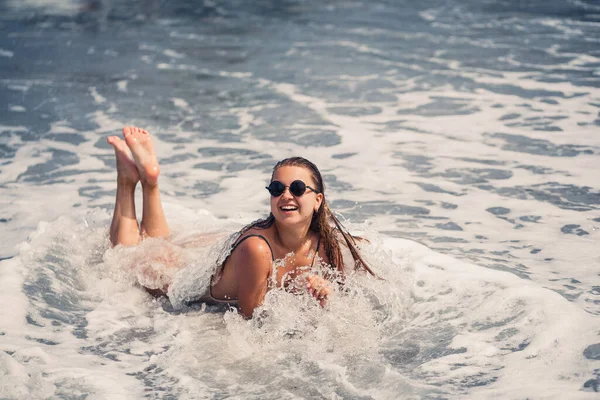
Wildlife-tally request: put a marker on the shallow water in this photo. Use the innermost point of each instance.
(461, 137)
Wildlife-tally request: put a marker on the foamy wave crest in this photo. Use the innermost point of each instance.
(427, 325)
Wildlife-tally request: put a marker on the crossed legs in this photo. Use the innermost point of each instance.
(136, 162)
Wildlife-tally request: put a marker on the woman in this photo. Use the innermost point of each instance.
(297, 232)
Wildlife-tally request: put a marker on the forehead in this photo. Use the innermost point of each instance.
(288, 174)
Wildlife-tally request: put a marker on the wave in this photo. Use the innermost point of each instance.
(75, 321)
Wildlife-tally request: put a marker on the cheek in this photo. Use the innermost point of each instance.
(308, 207)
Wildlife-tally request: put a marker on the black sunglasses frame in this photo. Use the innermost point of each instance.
(296, 188)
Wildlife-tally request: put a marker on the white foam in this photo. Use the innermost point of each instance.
(122, 85)
(173, 53)
(12, 300)
(487, 313)
(556, 331)
(180, 103)
(466, 325)
(429, 15)
(6, 53)
(97, 97)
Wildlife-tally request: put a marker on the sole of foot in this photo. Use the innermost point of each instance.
(142, 149)
(127, 171)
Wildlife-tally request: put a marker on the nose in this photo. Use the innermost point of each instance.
(286, 193)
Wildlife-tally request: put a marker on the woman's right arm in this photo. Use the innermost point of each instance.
(253, 264)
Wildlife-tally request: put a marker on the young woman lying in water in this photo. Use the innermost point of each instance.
(300, 231)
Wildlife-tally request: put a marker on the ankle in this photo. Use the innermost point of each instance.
(126, 183)
(146, 186)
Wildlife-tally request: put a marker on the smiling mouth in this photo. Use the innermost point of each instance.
(288, 208)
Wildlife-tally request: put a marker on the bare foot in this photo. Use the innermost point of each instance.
(142, 149)
(127, 171)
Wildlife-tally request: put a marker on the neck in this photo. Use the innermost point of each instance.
(292, 238)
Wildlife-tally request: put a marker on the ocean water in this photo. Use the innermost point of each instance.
(462, 138)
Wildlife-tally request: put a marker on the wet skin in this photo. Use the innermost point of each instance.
(247, 272)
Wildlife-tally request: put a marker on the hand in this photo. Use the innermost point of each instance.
(319, 288)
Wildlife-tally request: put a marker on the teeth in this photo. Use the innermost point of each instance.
(289, 208)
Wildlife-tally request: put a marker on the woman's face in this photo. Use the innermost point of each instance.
(289, 209)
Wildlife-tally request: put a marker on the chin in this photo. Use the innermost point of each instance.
(290, 220)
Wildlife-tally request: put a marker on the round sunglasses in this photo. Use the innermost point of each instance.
(297, 188)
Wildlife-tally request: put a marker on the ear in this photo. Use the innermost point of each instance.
(319, 201)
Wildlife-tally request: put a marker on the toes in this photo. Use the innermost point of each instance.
(118, 144)
(114, 141)
(133, 130)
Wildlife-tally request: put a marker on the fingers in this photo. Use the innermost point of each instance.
(311, 279)
(319, 288)
(321, 292)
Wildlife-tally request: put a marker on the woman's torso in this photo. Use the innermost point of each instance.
(289, 265)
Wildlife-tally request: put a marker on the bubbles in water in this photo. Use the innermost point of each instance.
(426, 324)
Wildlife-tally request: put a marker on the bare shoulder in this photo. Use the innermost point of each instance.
(256, 231)
(253, 245)
(253, 254)
(255, 239)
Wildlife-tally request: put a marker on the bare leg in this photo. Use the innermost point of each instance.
(124, 228)
(154, 223)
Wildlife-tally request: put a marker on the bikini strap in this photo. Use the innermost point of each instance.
(254, 235)
(316, 252)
